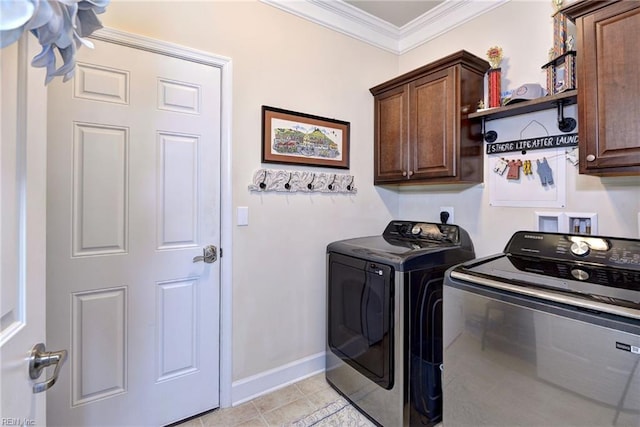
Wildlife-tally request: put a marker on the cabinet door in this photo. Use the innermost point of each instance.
(391, 136)
(609, 88)
(431, 133)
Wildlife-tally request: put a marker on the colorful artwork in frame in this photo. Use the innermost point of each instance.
(296, 138)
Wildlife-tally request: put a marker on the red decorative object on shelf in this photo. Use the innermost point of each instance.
(494, 82)
(495, 86)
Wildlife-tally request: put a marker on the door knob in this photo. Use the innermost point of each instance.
(39, 360)
(209, 255)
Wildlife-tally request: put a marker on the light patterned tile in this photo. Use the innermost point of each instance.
(231, 416)
(322, 398)
(253, 422)
(313, 384)
(288, 413)
(277, 398)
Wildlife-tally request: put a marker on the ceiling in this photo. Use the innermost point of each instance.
(393, 25)
(399, 12)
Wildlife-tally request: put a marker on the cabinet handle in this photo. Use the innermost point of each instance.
(590, 157)
(404, 173)
(410, 173)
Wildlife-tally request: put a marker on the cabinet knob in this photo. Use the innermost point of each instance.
(404, 173)
(410, 173)
(590, 157)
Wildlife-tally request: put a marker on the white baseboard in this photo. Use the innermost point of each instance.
(265, 382)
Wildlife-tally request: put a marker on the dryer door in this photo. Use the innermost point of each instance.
(360, 316)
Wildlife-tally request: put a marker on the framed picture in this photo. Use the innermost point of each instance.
(561, 73)
(303, 139)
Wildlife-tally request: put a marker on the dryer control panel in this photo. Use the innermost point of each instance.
(428, 231)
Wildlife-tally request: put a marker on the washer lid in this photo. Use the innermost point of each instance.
(612, 285)
(604, 276)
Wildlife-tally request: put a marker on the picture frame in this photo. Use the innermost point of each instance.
(289, 137)
(561, 73)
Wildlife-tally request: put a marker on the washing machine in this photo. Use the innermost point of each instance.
(545, 333)
(384, 319)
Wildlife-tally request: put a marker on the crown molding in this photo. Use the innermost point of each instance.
(347, 19)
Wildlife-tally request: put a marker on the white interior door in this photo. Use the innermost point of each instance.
(22, 230)
(133, 197)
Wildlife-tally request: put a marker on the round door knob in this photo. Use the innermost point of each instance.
(410, 173)
(590, 157)
(580, 248)
(404, 173)
(579, 274)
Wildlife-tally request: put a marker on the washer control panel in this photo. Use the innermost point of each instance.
(605, 251)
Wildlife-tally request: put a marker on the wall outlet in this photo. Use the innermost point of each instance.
(448, 209)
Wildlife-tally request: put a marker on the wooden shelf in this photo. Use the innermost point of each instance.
(567, 98)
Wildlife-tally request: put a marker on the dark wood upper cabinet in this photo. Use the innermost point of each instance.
(422, 131)
(608, 74)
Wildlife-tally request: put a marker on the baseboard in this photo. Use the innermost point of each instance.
(265, 382)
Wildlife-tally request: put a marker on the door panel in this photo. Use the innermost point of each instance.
(391, 157)
(100, 189)
(22, 231)
(431, 135)
(134, 197)
(610, 93)
(361, 316)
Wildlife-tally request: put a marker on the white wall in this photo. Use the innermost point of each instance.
(283, 61)
(525, 43)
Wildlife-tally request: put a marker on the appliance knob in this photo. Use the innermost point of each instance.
(580, 248)
(579, 274)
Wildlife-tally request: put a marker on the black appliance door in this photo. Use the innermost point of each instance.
(360, 316)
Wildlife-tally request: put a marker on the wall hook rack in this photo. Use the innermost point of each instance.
(302, 181)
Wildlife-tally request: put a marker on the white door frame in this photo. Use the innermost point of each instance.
(224, 64)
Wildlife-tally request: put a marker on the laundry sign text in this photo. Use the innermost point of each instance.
(556, 141)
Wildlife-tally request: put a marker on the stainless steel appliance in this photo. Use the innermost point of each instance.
(545, 334)
(384, 330)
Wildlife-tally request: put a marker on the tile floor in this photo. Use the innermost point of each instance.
(278, 408)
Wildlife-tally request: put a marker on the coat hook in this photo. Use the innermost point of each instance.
(310, 185)
(351, 183)
(287, 185)
(330, 186)
(262, 185)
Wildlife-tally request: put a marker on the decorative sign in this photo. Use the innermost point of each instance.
(557, 141)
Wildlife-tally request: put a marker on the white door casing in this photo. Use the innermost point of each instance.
(22, 230)
(134, 196)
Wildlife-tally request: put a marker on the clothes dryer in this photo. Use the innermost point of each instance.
(384, 330)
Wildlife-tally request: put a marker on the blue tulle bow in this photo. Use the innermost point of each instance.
(59, 25)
